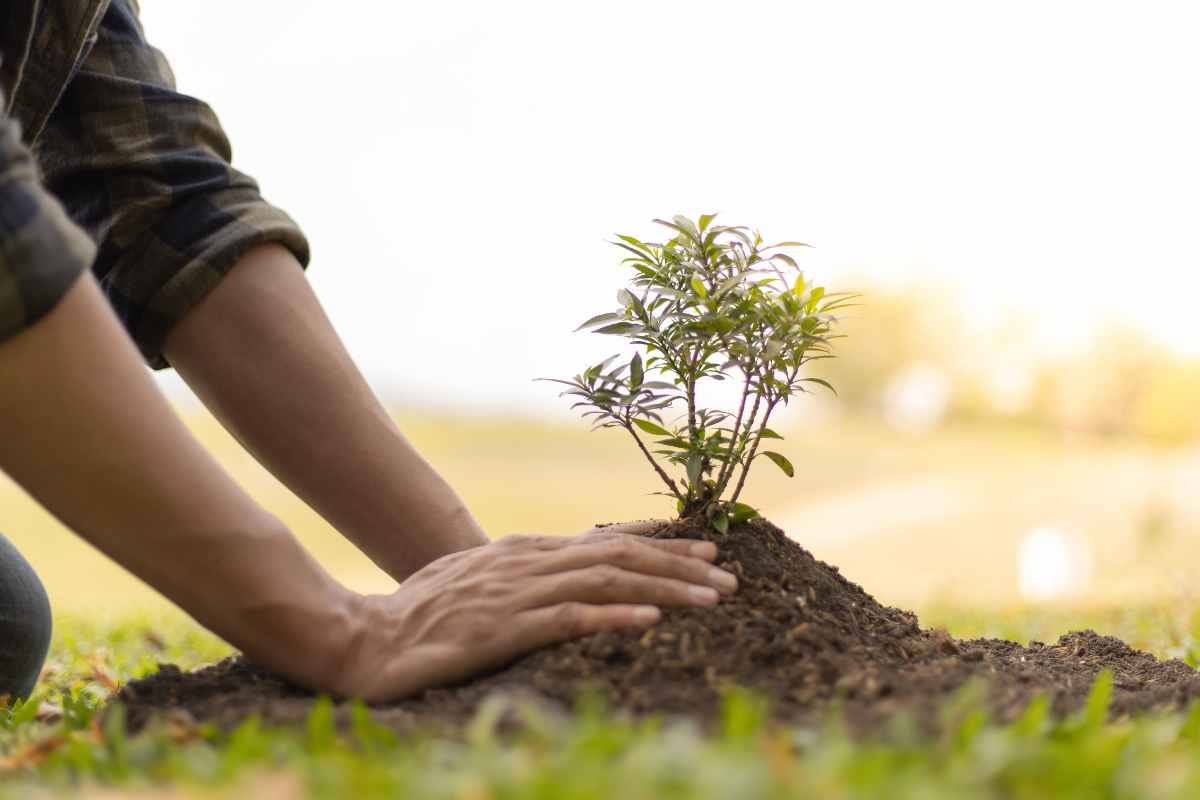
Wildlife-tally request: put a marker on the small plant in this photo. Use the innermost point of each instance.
(711, 302)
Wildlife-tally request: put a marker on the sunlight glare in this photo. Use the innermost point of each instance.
(1052, 564)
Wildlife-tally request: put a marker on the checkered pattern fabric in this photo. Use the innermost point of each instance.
(135, 177)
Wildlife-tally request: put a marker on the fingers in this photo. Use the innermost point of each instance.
(551, 624)
(680, 547)
(604, 583)
(683, 547)
(637, 556)
(639, 528)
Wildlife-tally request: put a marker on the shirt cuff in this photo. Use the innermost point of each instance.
(173, 265)
(42, 253)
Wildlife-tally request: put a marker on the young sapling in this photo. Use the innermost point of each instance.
(710, 303)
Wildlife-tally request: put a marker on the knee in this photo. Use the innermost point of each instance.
(25, 623)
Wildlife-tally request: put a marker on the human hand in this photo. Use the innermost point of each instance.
(478, 609)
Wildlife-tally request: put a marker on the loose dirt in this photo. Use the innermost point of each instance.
(797, 633)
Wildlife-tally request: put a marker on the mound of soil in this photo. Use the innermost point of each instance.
(796, 632)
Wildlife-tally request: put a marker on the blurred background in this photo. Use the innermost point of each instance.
(1013, 190)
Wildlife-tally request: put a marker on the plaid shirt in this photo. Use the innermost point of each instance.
(104, 164)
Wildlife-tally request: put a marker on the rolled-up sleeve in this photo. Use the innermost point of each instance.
(147, 172)
(42, 253)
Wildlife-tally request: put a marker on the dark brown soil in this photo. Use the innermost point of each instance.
(797, 633)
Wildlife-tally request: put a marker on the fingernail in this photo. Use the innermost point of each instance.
(722, 579)
(702, 549)
(646, 615)
(704, 594)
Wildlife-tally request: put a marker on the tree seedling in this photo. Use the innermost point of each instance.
(710, 303)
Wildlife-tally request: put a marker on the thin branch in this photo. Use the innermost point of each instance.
(742, 435)
(661, 473)
(746, 429)
(753, 451)
(737, 425)
(690, 386)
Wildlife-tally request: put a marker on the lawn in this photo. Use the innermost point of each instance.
(71, 753)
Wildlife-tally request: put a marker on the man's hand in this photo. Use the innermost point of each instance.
(476, 610)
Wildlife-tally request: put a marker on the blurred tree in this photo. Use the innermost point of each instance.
(889, 333)
(1122, 384)
(1167, 411)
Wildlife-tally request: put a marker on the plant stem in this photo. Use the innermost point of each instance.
(753, 450)
(749, 426)
(690, 385)
(661, 473)
(727, 467)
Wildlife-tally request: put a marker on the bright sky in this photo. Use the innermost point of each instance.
(458, 165)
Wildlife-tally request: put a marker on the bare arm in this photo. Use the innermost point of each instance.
(86, 432)
(260, 352)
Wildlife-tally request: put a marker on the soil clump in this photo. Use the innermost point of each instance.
(796, 632)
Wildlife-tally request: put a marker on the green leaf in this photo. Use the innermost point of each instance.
(603, 365)
(620, 327)
(742, 513)
(625, 297)
(780, 462)
(1034, 719)
(635, 371)
(22, 712)
(639, 258)
(596, 320)
(670, 225)
(720, 523)
(698, 286)
(651, 428)
(319, 725)
(1095, 709)
(695, 462)
(835, 305)
(704, 220)
(767, 433)
(688, 227)
(820, 381)
(728, 284)
(638, 243)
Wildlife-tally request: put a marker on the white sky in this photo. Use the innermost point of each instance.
(458, 165)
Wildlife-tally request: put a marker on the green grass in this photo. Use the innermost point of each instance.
(592, 755)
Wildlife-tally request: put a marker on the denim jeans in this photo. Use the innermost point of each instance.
(24, 623)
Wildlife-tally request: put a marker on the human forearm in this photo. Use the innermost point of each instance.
(86, 432)
(260, 352)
